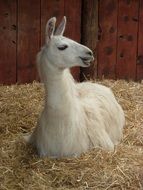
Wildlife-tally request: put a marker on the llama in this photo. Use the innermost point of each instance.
(76, 116)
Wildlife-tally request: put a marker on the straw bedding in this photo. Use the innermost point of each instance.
(21, 168)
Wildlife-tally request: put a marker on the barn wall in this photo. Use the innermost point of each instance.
(140, 43)
(120, 46)
(8, 41)
(113, 29)
(22, 34)
(89, 32)
(107, 44)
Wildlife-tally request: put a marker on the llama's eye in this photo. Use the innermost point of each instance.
(63, 47)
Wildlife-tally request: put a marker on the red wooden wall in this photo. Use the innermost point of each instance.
(120, 36)
(22, 34)
(8, 41)
(120, 47)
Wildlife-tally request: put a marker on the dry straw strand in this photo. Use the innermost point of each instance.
(21, 168)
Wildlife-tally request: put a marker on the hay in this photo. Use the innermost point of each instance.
(20, 167)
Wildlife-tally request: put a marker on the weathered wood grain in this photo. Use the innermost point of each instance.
(71, 9)
(89, 32)
(28, 40)
(8, 41)
(116, 25)
(140, 44)
(107, 45)
(73, 12)
(50, 9)
(127, 39)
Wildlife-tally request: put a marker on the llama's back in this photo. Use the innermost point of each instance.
(105, 117)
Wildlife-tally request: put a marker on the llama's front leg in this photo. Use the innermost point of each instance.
(106, 142)
(100, 138)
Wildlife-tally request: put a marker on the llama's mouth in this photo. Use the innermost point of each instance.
(87, 60)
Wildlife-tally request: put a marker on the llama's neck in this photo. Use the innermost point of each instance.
(60, 88)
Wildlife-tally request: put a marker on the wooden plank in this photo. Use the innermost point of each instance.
(58, 9)
(8, 41)
(127, 39)
(73, 11)
(28, 40)
(90, 34)
(50, 9)
(107, 46)
(140, 71)
(140, 44)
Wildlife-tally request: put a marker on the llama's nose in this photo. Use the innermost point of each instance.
(89, 53)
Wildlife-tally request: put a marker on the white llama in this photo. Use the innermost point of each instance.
(76, 117)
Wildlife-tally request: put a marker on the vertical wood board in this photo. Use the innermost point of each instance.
(140, 44)
(59, 9)
(127, 39)
(50, 9)
(8, 41)
(107, 46)
(72, 10)
(89, 32)
(28, 40)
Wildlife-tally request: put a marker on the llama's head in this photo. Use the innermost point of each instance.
(63, 52)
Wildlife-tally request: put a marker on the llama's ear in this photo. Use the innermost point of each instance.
(61, 28)
(50, 27)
